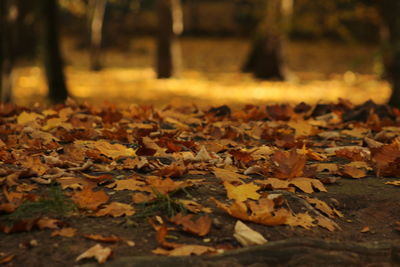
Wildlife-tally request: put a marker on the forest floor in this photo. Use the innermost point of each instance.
(131, 186)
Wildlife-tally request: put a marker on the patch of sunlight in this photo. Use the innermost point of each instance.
(138, 85)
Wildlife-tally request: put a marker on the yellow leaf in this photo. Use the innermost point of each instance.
(242, 192)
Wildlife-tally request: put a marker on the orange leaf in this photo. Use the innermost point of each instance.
(185, 250)
(116, 209)
(105, 239)
(65, 232)
(88, 199)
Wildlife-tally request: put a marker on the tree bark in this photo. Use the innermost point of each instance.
(8, 16)
(168, 48)
(50, 50)
(390, 10)
(96, 33)
(266, 59)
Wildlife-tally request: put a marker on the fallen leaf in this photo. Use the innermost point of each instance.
(199, 227)
(365, 229)
(65, 232)
(352, 172)
(247, 236)
(105, 239)
(288, 164)
(116, 209)
(185, 250)
(228, 175)
(7, 258)
(98, 252)
(395, 183)
(242, 192)
(88, 199)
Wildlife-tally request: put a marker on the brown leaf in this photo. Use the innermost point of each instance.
(288, 164)
(386, 159)
(199, 227)
(101, 238)
(7, 258)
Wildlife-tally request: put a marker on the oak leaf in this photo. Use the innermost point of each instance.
(101, 238)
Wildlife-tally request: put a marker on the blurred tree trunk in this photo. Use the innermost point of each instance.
(8, 16)
(266, 59)
(170, 26)
(97, 10)
(390, 10)
(50, 50)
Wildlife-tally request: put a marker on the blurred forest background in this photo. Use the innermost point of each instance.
(200, 51)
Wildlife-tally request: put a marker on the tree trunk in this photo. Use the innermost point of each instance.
(8, 16)
(266, 58)
(96, 33)
(50, 50)
(390, 10)
(169, 28)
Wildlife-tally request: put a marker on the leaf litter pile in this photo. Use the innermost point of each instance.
(81, 182)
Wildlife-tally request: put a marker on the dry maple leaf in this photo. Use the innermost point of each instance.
(193, 206)
(185, 250)
(242, 192)
(239, 210)
(98, 252)
(323, 207)
(288, 164)
(228, 175)
(352, 172)
(127, 184)
(65, 232)
(386, 159)
(116, 209)
(164, 186)
(199, 227)
(101, 238)
(48, 223)
(88, 199)
(307, 185)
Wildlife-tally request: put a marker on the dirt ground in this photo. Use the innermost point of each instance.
(370, 208)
